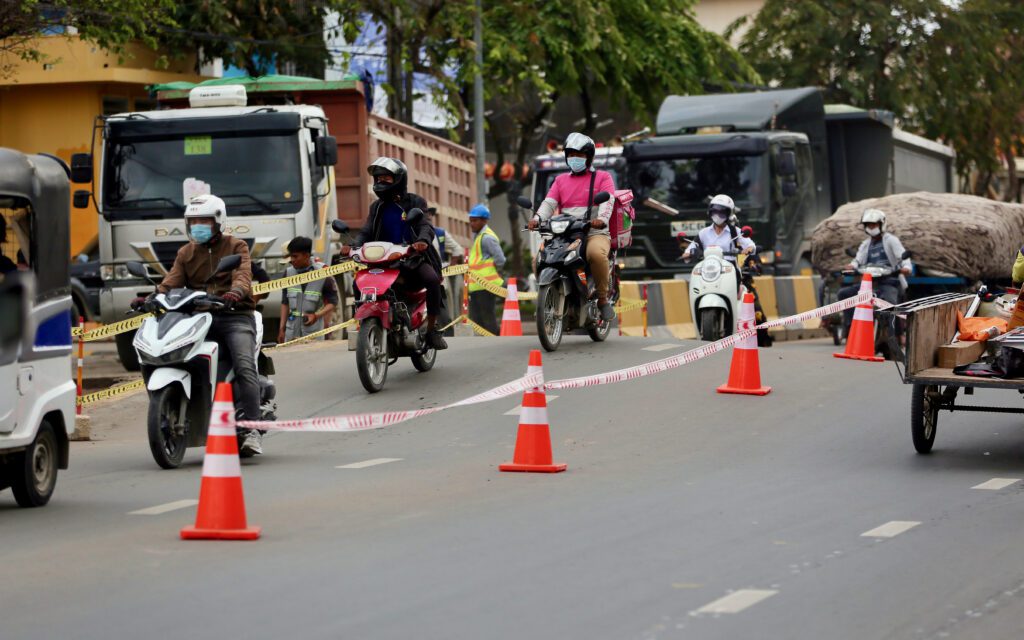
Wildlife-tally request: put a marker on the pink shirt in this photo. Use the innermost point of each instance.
(570, 194)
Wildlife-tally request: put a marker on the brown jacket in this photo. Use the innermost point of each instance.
(194, 264)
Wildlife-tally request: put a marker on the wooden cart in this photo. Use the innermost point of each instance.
(931, 322)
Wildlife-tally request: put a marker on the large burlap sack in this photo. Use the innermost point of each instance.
(963, 235)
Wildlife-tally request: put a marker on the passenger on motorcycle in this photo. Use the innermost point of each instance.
(573, 193)
(879, 249)
(234, 329)
(722, 232)
(387, 223)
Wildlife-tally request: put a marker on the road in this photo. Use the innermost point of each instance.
(683, 514)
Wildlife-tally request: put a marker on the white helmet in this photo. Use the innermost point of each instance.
(873, 216)
(206, 206)
(722, 204)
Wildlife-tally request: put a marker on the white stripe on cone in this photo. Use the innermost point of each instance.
(513, 292)
(533, 415)
(221, 465)
(747, 322)
(864, 313)
(221, 430)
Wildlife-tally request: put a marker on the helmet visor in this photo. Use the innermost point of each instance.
(719, 209)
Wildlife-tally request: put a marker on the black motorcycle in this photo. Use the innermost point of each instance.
(566, 298)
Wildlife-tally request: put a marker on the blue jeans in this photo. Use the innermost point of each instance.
(236, 335)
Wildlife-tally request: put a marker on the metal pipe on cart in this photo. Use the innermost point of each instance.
(644, 309)
(81, 358)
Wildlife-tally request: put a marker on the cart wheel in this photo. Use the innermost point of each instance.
(924, 415)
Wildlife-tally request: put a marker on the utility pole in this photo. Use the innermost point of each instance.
(478, 105)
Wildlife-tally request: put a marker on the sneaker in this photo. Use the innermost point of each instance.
(607, 312)
(252, 445)
(435, 340)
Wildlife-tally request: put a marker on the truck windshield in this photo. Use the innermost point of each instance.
(256, 174)
(686, 183)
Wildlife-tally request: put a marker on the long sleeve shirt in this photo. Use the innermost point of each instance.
(571, 193)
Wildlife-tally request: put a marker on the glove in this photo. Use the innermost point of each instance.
(141, 303)
(231, 297)
(419, 246)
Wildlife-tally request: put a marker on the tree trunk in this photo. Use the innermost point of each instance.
(394, 53)
(1012, 190)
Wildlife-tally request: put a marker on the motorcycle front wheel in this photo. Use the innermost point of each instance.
(549, 325)
(167, 435)
(372, 355)
(712, 324)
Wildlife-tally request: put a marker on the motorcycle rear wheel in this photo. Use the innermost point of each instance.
(549, 327)
(424, 361)
(166, 442)
(372, 355)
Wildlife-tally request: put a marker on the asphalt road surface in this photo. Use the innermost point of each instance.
(683, 514)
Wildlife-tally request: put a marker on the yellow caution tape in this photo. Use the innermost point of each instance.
(112, 392)
(480, 331)
(452, 323)
(501, 292)
(108, 330)
(629, 305)
(455, 270)
(303, 278)
(315, 334)
(76, 331)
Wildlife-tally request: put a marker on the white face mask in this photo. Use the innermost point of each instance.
(873, 232)
(718, 220)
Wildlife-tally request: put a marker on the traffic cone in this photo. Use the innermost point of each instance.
(860, 344)
(221, 514)
(533, 442)
(745, 371)
(510, 324)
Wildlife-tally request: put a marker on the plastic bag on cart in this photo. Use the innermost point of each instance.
(1008, 363)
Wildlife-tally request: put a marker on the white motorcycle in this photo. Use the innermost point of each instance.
(179, 366)
(714, 293)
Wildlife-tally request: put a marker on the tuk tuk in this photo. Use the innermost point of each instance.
(37, 394)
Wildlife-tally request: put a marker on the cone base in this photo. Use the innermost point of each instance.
(195, 533)
(864, 358)
(533, 468)
(756, 391)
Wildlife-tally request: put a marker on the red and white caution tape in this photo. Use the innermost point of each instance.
(364, 421)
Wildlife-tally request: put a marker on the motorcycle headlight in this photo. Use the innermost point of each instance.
(711, 270)
(171, 357)
(570, 257)
(559, 226)
(373, 253)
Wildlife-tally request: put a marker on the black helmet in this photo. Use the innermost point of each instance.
(393, 167)
(580, 142)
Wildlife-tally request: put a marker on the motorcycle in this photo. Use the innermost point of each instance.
(883, 330)
(715, 294)
(566, 298)
(392, 319)
(180, 367)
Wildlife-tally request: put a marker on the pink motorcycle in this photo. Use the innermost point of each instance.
(392, 319)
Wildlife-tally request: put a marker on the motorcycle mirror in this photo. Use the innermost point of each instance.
(524, 202)
(602, 197)
(228, 263)
(414, 215)
(851, 252)
(746, 232)
(339, 226)
(137, 269)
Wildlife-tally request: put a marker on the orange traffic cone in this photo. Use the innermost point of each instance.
(221, 514)
(510, 324)
(860, 344)
(745, 371)
(533, 442)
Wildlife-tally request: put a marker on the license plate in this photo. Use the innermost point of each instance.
(689, 227)
(633, 262)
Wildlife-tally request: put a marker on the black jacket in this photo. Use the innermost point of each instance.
(422, 230)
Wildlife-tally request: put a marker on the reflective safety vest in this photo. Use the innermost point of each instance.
(439, 233)
(301, 302)
(482, 268)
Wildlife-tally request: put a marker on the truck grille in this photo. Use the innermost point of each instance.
(167, 251)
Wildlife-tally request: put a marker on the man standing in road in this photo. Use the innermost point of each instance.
(451, 252)
(485, 256)
(304, 306)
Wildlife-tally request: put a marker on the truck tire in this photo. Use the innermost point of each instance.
(126, 351)
(33, 472)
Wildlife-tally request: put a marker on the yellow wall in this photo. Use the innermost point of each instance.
(51, 107)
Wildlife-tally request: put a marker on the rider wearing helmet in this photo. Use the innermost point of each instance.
(387, 222)
(573, 193)
(722, 230)
(880, 248)
(234, 329)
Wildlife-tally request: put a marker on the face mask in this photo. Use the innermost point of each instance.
(576, 165)
(201, 233)
(719, 220)
(874, 232)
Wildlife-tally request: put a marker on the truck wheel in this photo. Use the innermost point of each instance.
(712, 324)
(126, 351)
(167, 435)
(33, 472)
(924, 416)
(372, 355)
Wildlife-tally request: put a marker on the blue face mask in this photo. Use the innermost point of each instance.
(576, 165)
(201, 233)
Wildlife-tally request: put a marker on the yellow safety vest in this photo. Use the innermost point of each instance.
(478, 266)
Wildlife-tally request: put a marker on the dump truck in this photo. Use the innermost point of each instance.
(787, 159)
(287, 154)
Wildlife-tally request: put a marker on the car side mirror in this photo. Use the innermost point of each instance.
(524, 202)
(326, 151)
(785, 163)
(602, 197)
(339, 226)
(228, 263)
(414, 215)
(137, 269)
(81, 168)
(81, 199)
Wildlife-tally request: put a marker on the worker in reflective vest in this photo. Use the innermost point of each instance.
(485, 256)
(304, 306)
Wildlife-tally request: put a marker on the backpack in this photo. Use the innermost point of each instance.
(621, 223)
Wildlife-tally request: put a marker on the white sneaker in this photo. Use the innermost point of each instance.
(252, 445)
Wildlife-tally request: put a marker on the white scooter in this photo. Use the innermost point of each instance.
(179, 366)
(714, 293)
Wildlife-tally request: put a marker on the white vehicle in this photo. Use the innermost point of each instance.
(37, 394)
(180, 367)
(714, 295)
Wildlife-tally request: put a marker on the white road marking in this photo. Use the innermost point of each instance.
(518, 410)
(367, 463)
(164, 508)
(995, 484)
(662, 347)
(890, 529)
(737, 601)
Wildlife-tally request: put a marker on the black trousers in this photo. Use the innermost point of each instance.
(425, 277)
(481, 310)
